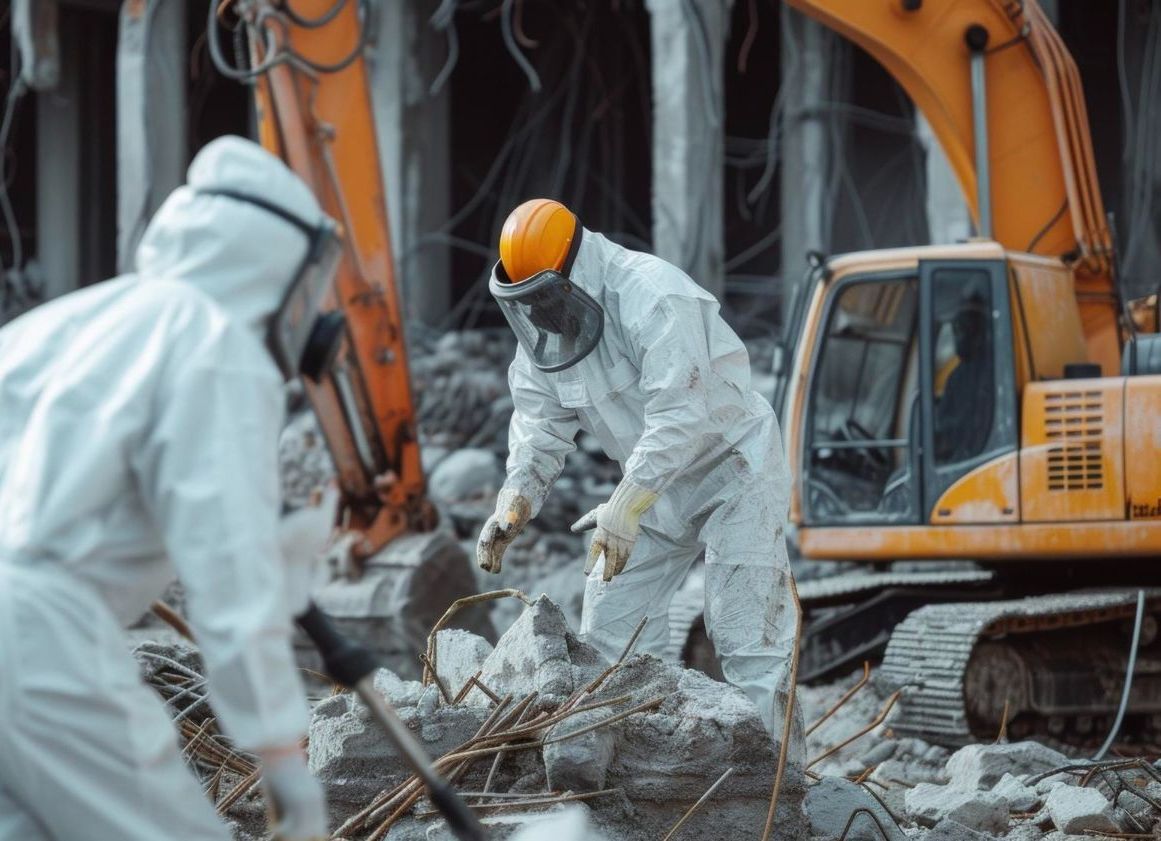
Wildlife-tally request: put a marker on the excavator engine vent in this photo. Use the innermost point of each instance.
(1074, 425)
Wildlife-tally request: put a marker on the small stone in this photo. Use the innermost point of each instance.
(878, 754)
(1075, 810)
(950, 830)
(979, 767)
(1020, 797)
(929, 804)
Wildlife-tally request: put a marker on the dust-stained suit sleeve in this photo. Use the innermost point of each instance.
(672, 351)
(209, 474)
(541, 434)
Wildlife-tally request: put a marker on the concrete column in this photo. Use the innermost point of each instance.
(151, 114)
(688, 42)
(809, 53)
(59, 133)
(948, 218)
(405, 58)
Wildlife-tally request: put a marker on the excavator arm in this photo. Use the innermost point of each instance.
(314, 111)
(1043, 183)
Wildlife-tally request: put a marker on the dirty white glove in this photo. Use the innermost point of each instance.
(617, 522)
(512, 513)
(298, 810)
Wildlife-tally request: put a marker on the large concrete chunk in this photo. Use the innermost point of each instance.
(539, 654)
(1075, 810)
(979, 767)
(929, 804)
(665, 760)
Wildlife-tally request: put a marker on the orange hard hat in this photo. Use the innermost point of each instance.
(536, 236)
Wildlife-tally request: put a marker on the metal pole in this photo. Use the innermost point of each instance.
(977, 42)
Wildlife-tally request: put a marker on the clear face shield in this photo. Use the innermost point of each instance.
(556, 322)
(302, 339)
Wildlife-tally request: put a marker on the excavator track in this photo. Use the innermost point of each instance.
(930, 657)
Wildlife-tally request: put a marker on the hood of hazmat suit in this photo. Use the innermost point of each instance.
(139, 420)
(666, 391)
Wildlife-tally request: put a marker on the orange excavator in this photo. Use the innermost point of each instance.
(305, 63)
(988, 401)
(314, 111)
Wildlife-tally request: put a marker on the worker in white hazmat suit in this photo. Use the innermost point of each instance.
(628, 348)
(139, 421)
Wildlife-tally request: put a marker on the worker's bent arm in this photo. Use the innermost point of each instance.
(541, 434)
(209, 474)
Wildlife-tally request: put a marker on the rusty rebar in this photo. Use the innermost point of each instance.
(700, 801)
(453, 609)
(791, 699)
(838, 705)
(878, 720)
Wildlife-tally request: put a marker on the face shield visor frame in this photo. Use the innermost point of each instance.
(556, 322)
(302, 338)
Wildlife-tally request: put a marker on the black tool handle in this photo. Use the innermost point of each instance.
(345, 661)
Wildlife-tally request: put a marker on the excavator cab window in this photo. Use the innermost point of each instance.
(970, 409)
(965, 380)
(864, 405)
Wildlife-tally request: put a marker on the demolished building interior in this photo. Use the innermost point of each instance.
(748, 142)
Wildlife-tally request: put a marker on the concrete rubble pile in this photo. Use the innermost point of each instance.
(884, 786)
(634, 743)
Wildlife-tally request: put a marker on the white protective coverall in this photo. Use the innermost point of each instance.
(667, 393)
(139, 421)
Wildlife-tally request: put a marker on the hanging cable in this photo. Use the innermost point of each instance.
(16, 91)
(313, 23)
(514, 48)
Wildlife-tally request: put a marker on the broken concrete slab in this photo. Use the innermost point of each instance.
(1076, 810)
(979, 767)
(539, 653)
(831, 805)
(929, 804)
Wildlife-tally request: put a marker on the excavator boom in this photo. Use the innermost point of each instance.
(1043, 183)
(314, 111)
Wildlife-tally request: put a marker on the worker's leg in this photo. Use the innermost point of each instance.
(750, 612)
(85, 746)
(612, 609)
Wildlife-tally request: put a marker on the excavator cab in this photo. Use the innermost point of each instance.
(910, 387)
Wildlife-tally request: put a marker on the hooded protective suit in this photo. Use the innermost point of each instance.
(139, 421)
(667, 394)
